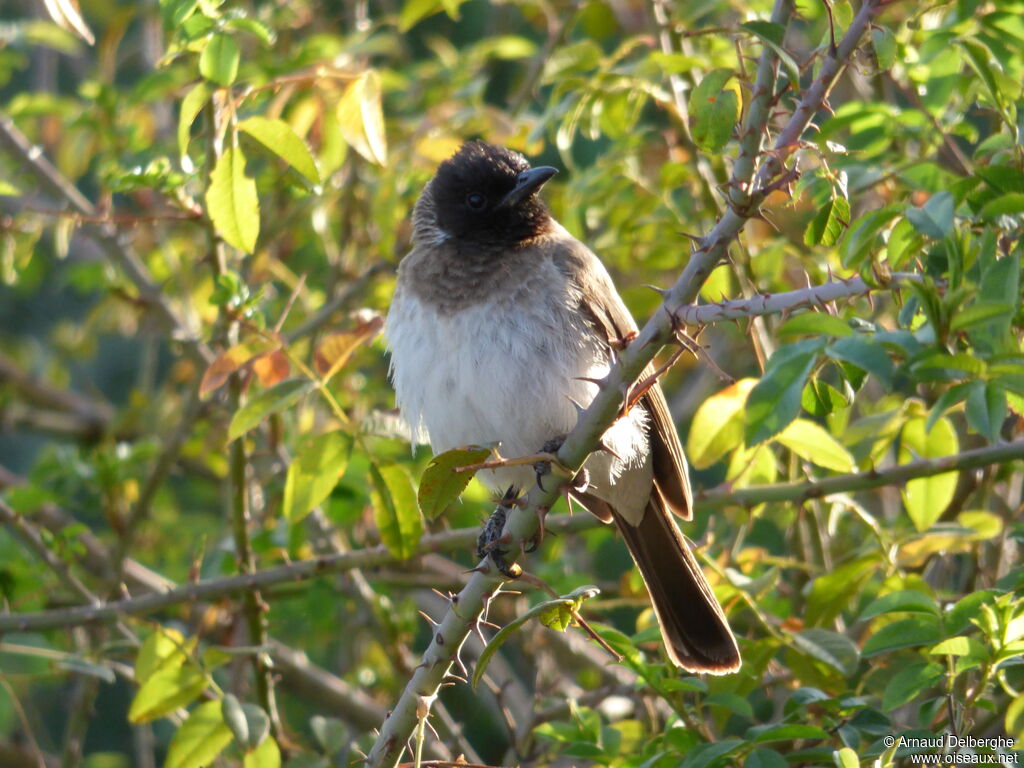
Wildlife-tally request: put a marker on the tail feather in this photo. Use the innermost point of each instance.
(693, 625)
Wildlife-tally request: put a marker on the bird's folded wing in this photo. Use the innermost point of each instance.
(613, 323)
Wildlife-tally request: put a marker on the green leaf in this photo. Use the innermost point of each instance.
(414, 11)
(191, 106)
(714, 110)
(268, 402)
(927, 497)
(775, 401)
(1006, 205)
(773, 35)
(164, 649)
(314, 472)
(812, 443)
(331, 733)
(952, 646)
(219, 60)
(717, 426)
(865, 353)
(7, 189)
(256, 28)
(905, 633)
(200, 738)
(441, 484)
(761, 734)
(829, 223)
(909, 683)
(904, 601)
(986, 409)
(836, 650)
(980, 313)
(846, 758)
(703, 755)
(820, 398)
(232, 202)
(832, 591)
(278, 137)
(814, 324)
(165, 691)
(361, 118)
(765, 758)
(542, 610)
(266, 755)
(884, 45)
(935, 218)
(175, 12)
(234, 718)
(395, 510)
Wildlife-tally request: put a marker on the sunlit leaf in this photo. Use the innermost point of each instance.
(395, 509)
(200, 738)
(440, 484)
(166, 690)
(267, 403)
(361, 118)
(314, 472)
(714, 109)
(927, 497)
(191, 106)
(266, 755)
(718, 424)
(828, 223)
(279, 137)
(219, 60)
(775, 401)
(233, 204)
(811, 442)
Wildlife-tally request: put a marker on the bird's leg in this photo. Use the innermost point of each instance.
(492, 536)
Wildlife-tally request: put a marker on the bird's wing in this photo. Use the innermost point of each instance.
(612, 322)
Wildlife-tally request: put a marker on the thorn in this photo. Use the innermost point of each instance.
(490, 624)
(603, 446)
(455, 678)
(663, 292)
(579, 408)
(425, 616)
(441, 594)
(589, 379)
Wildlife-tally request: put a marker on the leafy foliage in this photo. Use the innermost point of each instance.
(192, 387)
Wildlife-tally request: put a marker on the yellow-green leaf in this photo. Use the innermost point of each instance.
(267, 402)
(232, 202)
(441, 484)
(811, 442)
(200, 739)
(266, 755)
(279, 137)
(395, 510)
(714, 109)
(165, 691)
(219, 60)
(314, 472)
(718, 424)
(926, 497)
(361, 118)
(164, 649)
(191, 106)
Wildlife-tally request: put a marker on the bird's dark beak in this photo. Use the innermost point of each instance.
(527, 183)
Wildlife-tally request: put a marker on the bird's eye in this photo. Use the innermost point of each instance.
(476, 201)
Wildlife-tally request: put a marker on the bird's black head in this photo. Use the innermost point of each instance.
(487, 195)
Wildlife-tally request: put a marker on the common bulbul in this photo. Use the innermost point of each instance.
(500, 319)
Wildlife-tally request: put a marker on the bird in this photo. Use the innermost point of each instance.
(500, 326)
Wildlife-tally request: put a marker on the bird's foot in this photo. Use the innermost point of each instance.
(491, 539)
(542, 468)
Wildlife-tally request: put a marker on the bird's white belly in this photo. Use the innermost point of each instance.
(498, 373)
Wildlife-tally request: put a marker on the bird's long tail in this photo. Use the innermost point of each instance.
(693, 625)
